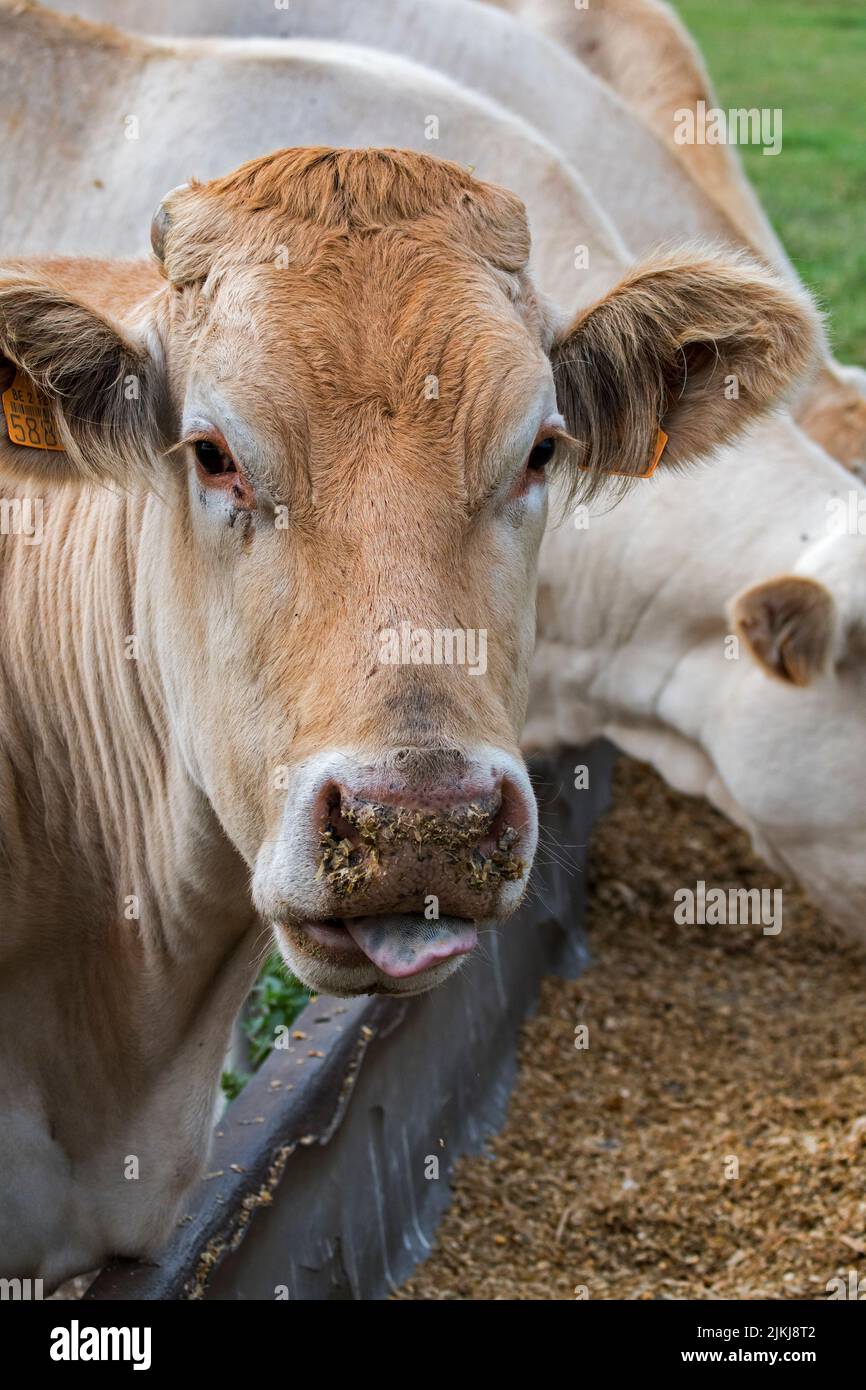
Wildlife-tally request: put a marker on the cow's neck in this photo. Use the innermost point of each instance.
(632, 628)
(124, 902)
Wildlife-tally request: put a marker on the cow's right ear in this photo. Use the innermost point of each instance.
(789, 626)
(98, 382)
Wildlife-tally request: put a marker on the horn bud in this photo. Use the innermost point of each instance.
(161, 223)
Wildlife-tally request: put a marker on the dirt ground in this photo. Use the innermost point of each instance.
(710, 1141)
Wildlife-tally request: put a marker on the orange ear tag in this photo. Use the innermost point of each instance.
(29, 417)
(655, 459)
(661, 444)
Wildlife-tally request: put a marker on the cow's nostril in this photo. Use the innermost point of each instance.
(327, 804)
(513, 815)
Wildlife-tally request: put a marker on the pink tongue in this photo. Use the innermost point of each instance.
(403, 946)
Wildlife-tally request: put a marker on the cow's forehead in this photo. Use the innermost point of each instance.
(417, 286)
(450, 356)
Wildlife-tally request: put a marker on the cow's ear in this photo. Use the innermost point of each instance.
(97, 383)
(789, 625)
(697, 348)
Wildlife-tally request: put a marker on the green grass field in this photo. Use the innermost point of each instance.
(807, 57)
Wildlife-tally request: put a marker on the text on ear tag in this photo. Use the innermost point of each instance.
(29, 418)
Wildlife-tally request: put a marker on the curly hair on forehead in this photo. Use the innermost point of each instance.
(344, 188)
(325, 192)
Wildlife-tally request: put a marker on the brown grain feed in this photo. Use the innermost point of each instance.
(712, 1051)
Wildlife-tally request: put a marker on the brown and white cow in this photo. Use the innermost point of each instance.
(327, 416)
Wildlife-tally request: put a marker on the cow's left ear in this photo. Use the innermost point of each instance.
(698, 348)
(70, 366)
(789, 626)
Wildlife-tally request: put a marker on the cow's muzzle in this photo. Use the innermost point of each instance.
(385, 873)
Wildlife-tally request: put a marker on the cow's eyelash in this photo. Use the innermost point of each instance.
(560, 437)
(547, 462)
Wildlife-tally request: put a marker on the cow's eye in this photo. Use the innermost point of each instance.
(212, 459)
(541, 455)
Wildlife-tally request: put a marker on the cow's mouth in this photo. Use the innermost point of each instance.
(400, 945)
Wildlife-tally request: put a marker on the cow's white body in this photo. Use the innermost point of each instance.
(635, 645)
(483, 52)
(201, 107)
(617, 132)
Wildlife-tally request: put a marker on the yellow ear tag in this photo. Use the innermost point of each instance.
(29, 418)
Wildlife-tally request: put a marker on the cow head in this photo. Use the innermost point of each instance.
(344, 402)
(789, 737)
